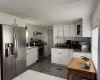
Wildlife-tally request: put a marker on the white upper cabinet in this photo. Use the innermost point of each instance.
(6, 19)
(61, 30)
(72, 30)
(66, 30)
(20, 22)
(55, 31)
(86, 28)
(79, 29)
(11, 20)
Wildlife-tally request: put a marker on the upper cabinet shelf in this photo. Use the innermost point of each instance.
(71, 30)
(64, 30)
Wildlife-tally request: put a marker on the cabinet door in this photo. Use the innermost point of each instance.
(6, 19)
(72, 30)
(28, 57)
(65, 57)
(61, 31)
(55, 31)
(79, 29)
(20, 22)
(54, 56)
(70, 54)
(66, 30)
(35, 55)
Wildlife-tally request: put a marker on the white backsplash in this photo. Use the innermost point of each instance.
(63, 40)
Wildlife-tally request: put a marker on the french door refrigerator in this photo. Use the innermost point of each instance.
(12, 51)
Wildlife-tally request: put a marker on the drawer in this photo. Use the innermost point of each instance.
(54, 49)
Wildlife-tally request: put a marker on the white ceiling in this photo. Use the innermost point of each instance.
(48, 12)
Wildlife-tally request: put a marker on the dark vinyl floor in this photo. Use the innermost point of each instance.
(46, 67)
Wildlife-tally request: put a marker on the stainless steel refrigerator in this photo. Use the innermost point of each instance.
(12, 51)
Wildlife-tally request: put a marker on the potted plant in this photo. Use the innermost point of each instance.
(87, 62)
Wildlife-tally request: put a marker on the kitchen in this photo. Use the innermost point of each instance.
(50, 41)
(64, 47)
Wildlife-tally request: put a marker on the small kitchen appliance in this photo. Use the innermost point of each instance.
(84, 46)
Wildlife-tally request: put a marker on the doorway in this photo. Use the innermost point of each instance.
(50, 40)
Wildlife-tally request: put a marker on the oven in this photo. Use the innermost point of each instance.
(40, 53)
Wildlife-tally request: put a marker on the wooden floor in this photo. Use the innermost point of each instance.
(46, 67)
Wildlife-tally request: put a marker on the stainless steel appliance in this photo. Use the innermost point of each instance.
(12, 51)
(40, 53)
(69, 44)
(84, 46)
(76, 45)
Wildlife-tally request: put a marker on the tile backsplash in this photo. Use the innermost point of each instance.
(62, 40)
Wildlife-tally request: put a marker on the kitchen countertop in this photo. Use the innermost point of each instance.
(62, 48)
(78, 51)
(31, 47)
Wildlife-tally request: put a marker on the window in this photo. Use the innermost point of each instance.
(95, 47)
(26, 33)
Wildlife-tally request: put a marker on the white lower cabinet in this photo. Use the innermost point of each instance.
(31, 56)
(60, 56)
(55, 56)
(63, 56)
(80, 54)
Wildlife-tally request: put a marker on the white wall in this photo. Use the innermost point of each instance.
(44, 36)
(95, 22)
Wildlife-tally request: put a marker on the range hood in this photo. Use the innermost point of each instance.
(37, 33)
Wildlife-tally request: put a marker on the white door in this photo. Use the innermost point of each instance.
(65, 56)
(50, 40)
(55, 31)
(72, 30)
(66, 30)
(61, 30)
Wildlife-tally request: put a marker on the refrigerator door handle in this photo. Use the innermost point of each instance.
(15, 46)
